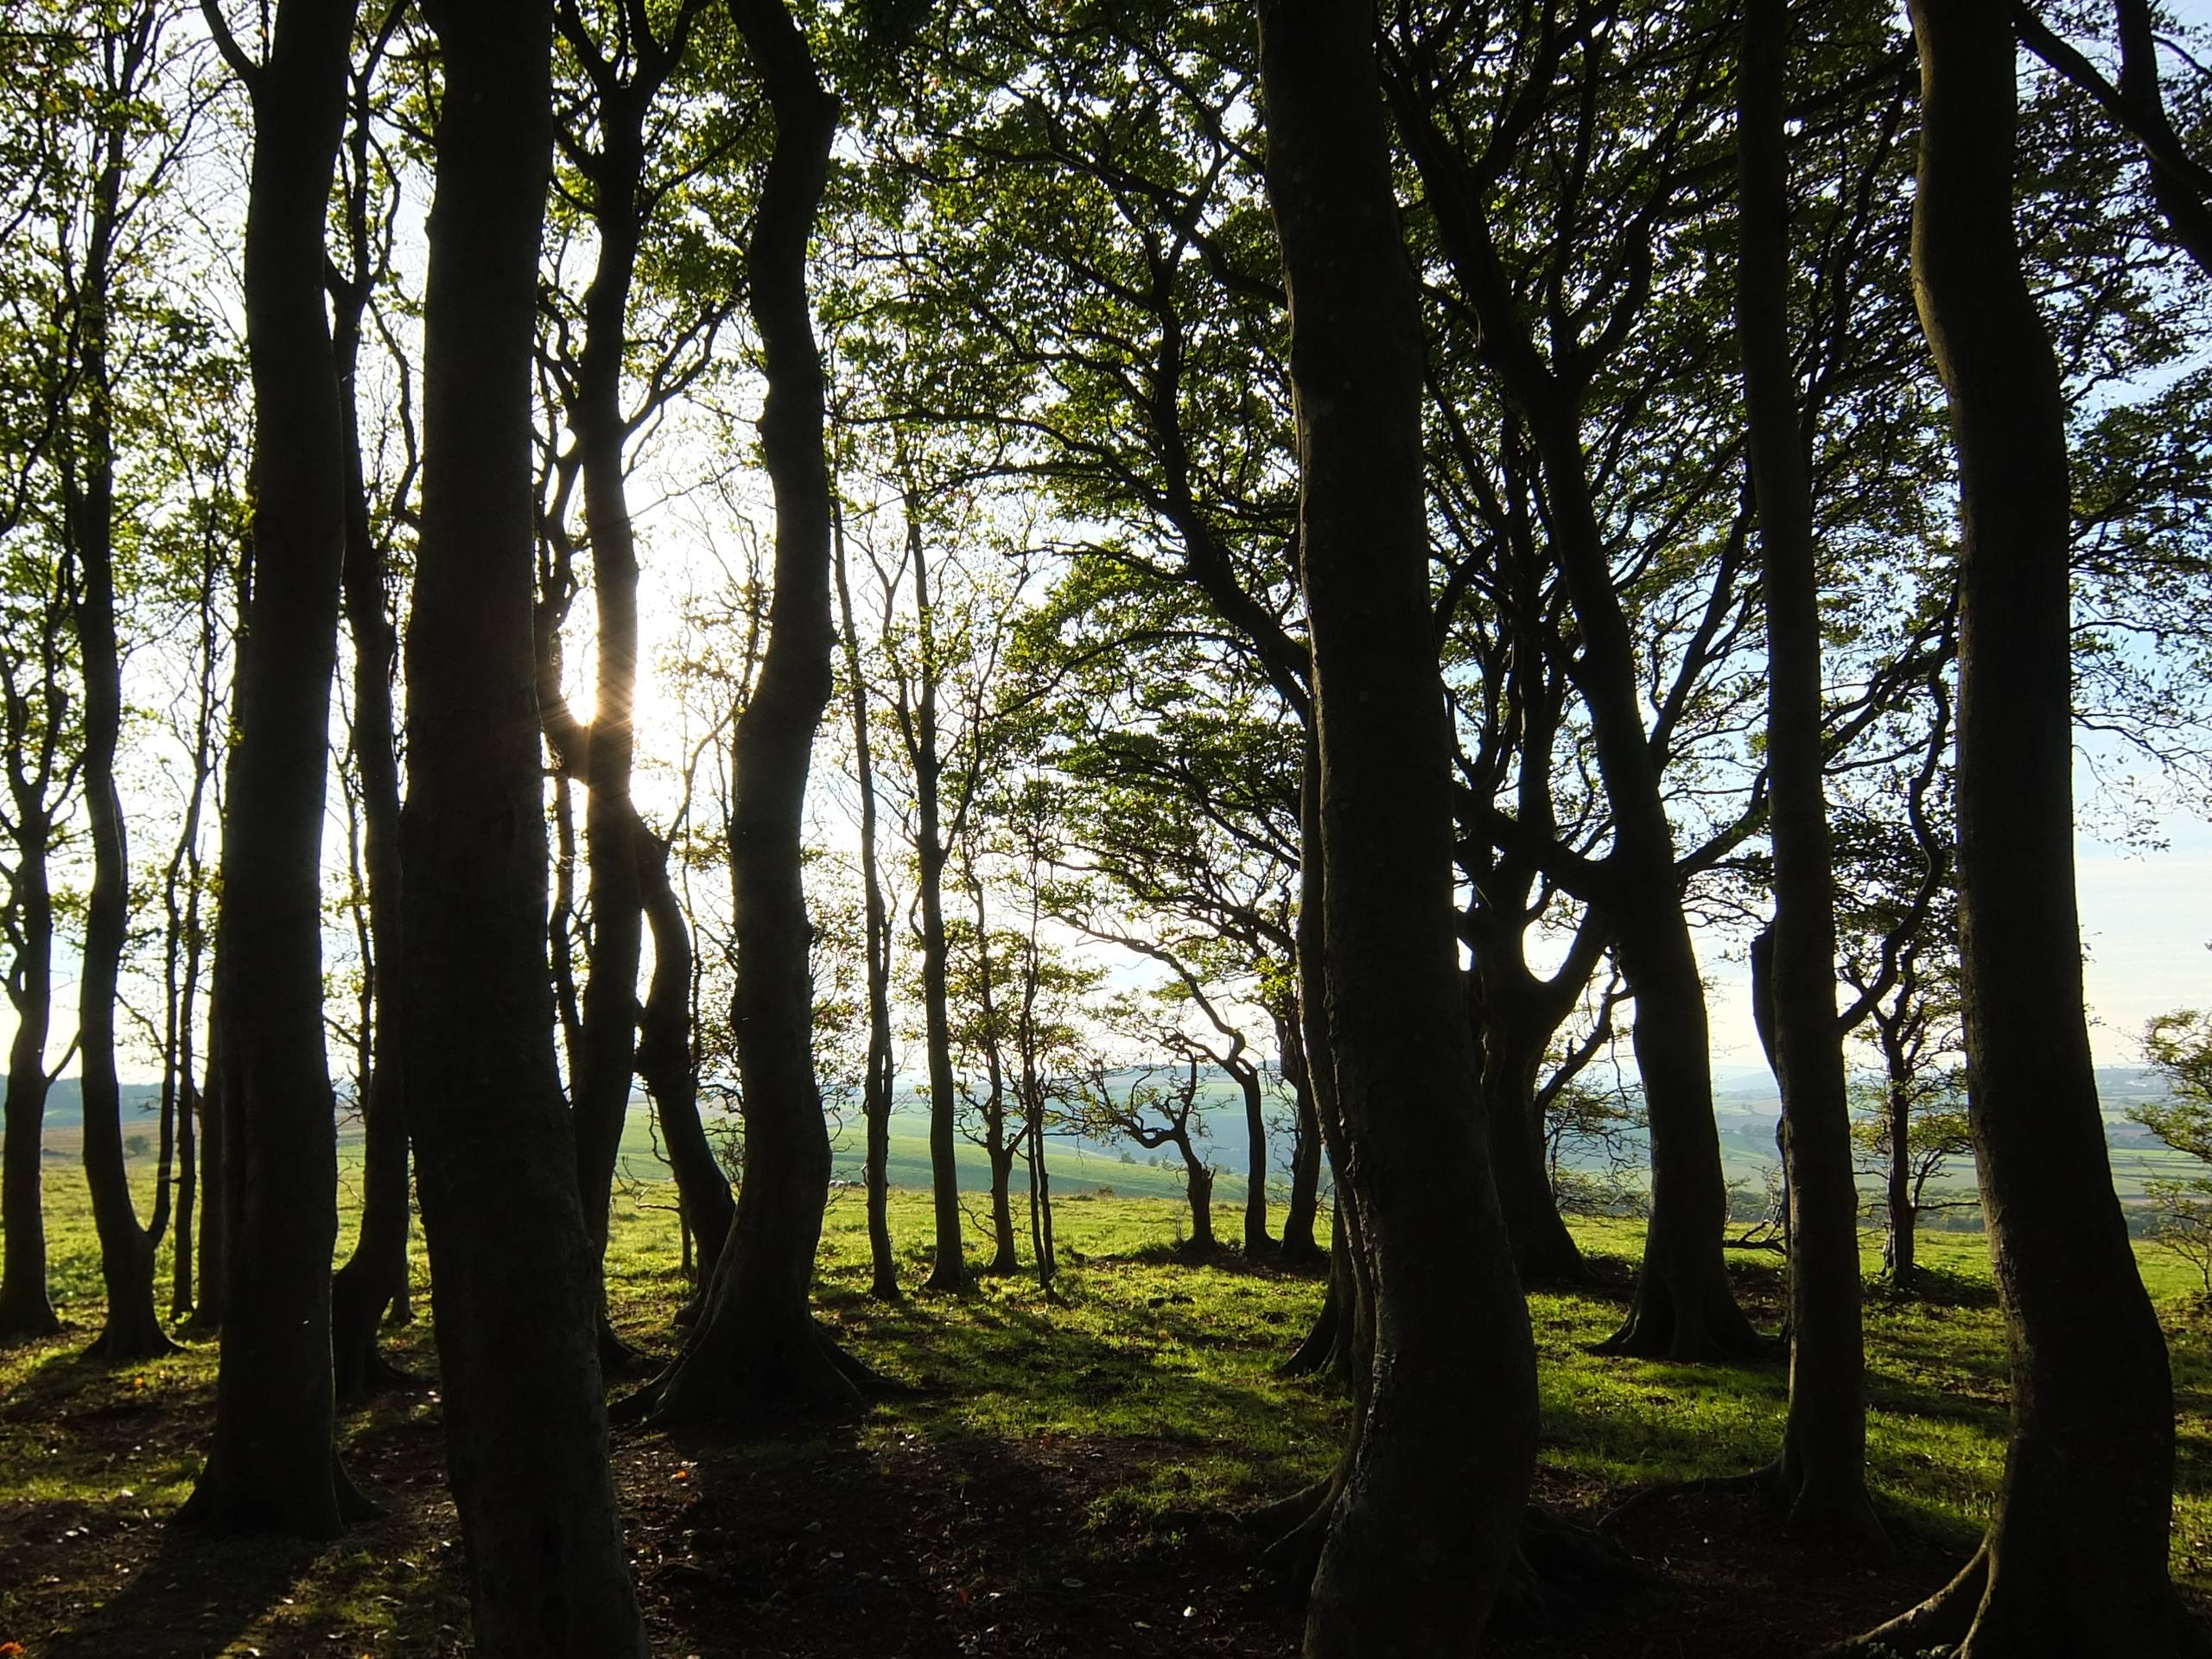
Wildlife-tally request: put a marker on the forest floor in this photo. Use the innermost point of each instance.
(1065, 1481)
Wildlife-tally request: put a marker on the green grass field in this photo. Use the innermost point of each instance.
(1150, 1400)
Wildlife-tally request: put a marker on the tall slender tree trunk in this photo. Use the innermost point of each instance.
(272, 1462)
(26, 1312)
(510, 1258)
(758, 1344)
(1823, 1467)
(214, 1183)
(132, 1330)
(2074, 1561)
(374, 1275)
(998, 1148)
(949, 1271)
(876, 1085)
(1422, 1529)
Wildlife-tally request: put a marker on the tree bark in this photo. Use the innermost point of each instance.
(1685, 1307)
(1297, 1245)
(510, 1260)
(666, 1063)
(375, 1273)
(759, 1345)
(2075, 1557)
(26, 1312)
(949, 1271)
(876, 1085)
(1823, 1466)
(1257, 1241)
(272, 1462)
(132, 1330)
(1422, 1530)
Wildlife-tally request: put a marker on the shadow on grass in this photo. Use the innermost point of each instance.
(196, 1594)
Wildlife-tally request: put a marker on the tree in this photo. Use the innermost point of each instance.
(2075, 1556)
(374, 1276)
(272, 1462)
(126, 54)
(1821, 1473)
(1421, 1524)
(625, 73)
(757, 1342)
(511, 1262)
(2179, 1045)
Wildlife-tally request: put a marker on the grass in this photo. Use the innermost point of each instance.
(1058, 1483)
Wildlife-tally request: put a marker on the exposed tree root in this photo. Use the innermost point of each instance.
(369, 1376)
(28, 1325)
(812, 1376)
(1846, 1518)
(1940, 1622)
(619, 1358)
(1319, 1347)
(1558, 1559)
(219, 1506)
(1765, 1483)
(140, 1337)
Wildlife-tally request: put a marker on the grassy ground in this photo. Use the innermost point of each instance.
(1064, 1481)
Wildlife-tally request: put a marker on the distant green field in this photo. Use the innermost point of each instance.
(1075, 1166)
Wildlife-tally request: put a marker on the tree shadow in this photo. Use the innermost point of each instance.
(196, 1594)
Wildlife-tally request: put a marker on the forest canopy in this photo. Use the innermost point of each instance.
(671, 670)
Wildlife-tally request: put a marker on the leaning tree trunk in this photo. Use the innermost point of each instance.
(1423, 1529)
(374, 1276)
(2075, 1560)
(272, 1463)
(510, 1260)
(758, 1344)
(667, 1066)
(26, 1312)
(1823, 1467)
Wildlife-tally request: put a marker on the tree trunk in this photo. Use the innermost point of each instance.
(26, 1312)
(1515, 1036)
(1198, 1187)
(272, 1462)
(1903, 1212)
(1684, 1308)
(1422, 1533)
(376, 1273)
(2075, 1557)
(1005, 1256)
(876, 1087)
(214, 1183)
(670, 1074)
(950, 1269)
(131, 1330)
(1823, 1466)
(600, 1090)
(1299, 1246)
(525, 1412)
(1257, 1241)
(759, 1345)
